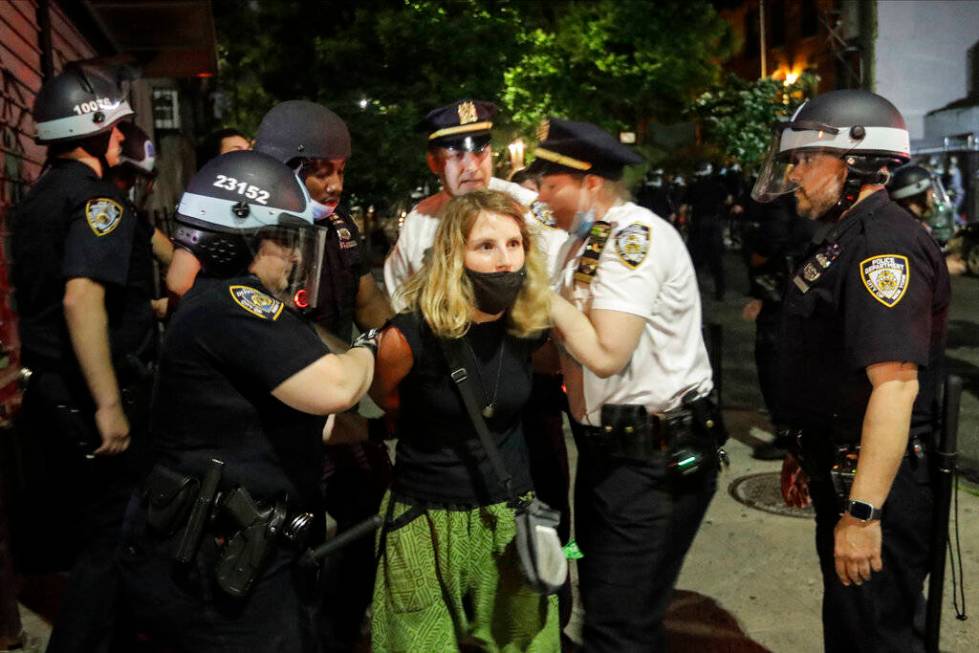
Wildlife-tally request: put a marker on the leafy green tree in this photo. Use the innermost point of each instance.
(381, 65)
(618, 63)
(737, 115)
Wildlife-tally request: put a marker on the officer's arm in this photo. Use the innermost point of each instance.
(885, 427)
(331, 384)
(162, 247)
(373, 308)
(88, 328)
(603, 341)
(184, 268)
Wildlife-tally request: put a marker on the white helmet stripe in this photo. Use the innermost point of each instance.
(877, 139)
(73, 127)
(911, 190)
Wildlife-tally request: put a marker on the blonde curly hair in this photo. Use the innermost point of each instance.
(441, 290)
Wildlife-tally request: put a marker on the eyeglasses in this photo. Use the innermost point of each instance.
(459, 155)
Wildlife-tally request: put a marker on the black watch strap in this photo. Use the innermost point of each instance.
(863, 511)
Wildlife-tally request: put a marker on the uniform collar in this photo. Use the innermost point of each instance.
(67, 164)
(866, 208)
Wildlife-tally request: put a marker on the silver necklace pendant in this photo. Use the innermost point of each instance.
(488, 411)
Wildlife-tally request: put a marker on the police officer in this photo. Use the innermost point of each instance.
(81, 337)
(921, 193)
(461, 156)
(706, 198)
(310, 138)
(641, 389)
(135, 177)
(244, 381)
(861, 358)
(775, 238)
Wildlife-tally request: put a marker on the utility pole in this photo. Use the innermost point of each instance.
(761, 37)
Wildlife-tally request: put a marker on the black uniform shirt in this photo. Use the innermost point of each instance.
(873, 288)
(343, 266)
(439, 456)
(228, 346)
(71, 224)
(706, 198)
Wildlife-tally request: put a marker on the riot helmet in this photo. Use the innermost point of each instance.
(300, 129)
(85, 100)
(244, 207)
(862, 129)
(921, 192)
(138, 151)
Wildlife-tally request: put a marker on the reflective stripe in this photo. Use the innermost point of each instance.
(461, 129)
(70, 127)
(877, 139)
(561, 159)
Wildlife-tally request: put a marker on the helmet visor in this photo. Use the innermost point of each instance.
(289, 260)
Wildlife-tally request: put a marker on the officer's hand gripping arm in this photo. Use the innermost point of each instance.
(603, 341)
(331, 384)
(88, 328)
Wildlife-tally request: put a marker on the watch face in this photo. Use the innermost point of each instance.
(860, 510)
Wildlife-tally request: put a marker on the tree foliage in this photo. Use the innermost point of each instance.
(737, 115)
(618, 63)
(382, 64)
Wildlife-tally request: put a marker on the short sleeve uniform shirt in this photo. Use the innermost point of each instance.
(71, 224)
(644, 270)
(873, 288)
(230, 344)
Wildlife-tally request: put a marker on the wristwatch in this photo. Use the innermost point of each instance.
(862, 511)
(367, 340)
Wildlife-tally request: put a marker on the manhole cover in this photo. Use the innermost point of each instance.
(763, 491)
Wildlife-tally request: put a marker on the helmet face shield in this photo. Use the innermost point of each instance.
(288, 260)
(773, 177)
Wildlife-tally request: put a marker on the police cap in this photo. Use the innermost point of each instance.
(580, 147)
(464, 125)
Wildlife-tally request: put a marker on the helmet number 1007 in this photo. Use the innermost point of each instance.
(242, 188)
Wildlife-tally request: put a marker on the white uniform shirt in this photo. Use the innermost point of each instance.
(418, 233)
(643, 270)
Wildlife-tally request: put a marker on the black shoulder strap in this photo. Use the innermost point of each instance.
(453, 354)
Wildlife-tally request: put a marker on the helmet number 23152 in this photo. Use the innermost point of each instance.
(242, 188)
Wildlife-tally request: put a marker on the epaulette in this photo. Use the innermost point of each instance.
(588, 264)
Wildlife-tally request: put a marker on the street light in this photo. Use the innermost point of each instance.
(517, 149)
(363, 103)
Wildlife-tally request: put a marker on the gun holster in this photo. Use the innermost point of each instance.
(243, 558)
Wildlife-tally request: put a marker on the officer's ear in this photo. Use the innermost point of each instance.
(594, 183)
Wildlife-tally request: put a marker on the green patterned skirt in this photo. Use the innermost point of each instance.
(450, 580)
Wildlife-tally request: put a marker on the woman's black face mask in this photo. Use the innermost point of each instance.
(496, 291)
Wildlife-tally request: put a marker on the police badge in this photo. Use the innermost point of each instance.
(467, 112)
(886, 277)
(103, 215)
(632, 244)
(256, 302)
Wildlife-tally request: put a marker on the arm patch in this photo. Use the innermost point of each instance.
(256, 302)
(632, 244)
(103, 215)
(886, 277)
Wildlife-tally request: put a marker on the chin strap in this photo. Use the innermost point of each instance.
(860, 172)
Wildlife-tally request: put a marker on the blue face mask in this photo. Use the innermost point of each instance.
(581, 225)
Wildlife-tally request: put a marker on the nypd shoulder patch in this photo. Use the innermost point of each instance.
(256, 302)
(886, 277)
(103, 215)
(632, 244)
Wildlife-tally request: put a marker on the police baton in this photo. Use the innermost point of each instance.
(312, 557)
(946, 459)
